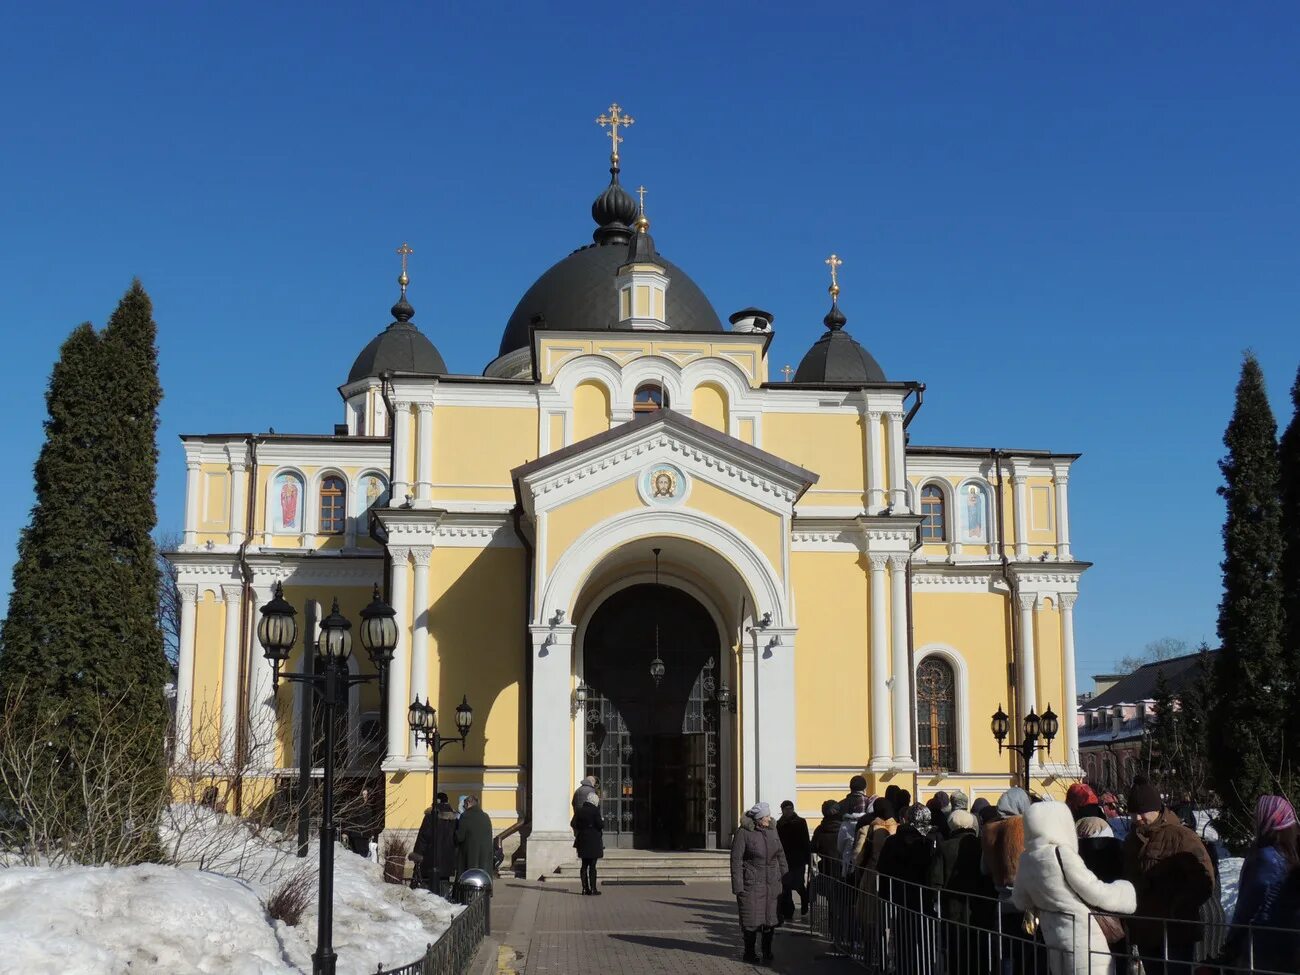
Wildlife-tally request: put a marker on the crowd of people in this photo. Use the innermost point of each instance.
(1025, 884)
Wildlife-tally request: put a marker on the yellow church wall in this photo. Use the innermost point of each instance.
(1047, 660)
(209, 639)
(709, 406)
(1040, 519)
(474, 450)
(590, 410)
(214, 511)
(747, 355)
(830, 445)
(556, 431)
(761, 527)
(746, 431)
(566, 523)
(831, 665)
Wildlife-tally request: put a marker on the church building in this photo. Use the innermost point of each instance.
(640, 555)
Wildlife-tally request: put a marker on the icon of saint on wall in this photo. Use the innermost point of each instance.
(664, 484)
(976, 515)
(289, 496)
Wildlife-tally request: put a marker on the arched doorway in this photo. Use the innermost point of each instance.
(655, 747)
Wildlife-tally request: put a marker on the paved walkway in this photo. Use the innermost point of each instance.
(551, 929)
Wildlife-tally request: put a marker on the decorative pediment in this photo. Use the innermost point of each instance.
(663, 450)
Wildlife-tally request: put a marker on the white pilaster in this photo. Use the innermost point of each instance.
(749, 721)
(185, 672)
(875, 465)
(902, 690)
(401, 453)
(230, 674)
(399, 670)
(1069, 717)
(424, 455)
(776, 729)
(261, 693)
(550, 780)
(1061, 480)
(897, 465)
(1021, 502)
(420, 631)
(1027, 678)
(192, 473)
(238, 499)
(881, 749)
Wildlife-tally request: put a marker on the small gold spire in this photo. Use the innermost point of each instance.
(787, 372)
(614, 119)
(834, 263)
(405, 252)
(642, 222)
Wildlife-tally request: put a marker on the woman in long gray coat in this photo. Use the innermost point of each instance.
(757, 866)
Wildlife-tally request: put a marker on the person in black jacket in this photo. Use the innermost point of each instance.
(589, 840)
(435, 847)
(795, 841)
(1101, 852)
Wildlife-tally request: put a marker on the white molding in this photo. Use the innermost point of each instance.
(964, 719)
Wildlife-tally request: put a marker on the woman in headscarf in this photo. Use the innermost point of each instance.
(589, 840)
(757, 866)
(1271, 861)
(1103, 854)
(1054, 881)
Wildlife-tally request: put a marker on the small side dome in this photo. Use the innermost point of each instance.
(836, 357)
(401, 347)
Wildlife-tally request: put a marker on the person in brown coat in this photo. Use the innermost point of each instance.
(1166, 862)
(757, 866)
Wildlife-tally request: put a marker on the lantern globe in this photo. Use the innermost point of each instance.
(336, 635)
(277, 630)
(464, 716)
(415, 715)
(379, 631)
(1032, 725)
(1000, 724)
(657, 670)
(1051, 723)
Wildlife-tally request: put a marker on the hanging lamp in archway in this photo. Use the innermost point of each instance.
(657, 667)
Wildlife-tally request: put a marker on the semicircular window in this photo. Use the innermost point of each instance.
(649, 397)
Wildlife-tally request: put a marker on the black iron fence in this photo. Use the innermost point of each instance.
(896, 928)
(453, 953)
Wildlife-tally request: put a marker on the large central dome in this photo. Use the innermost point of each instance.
(578, 293)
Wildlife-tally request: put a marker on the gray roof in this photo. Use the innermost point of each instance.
(401, 347)
(836, 357)
(1141, 684)
(577, 294)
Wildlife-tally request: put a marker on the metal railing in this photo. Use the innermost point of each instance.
(893, 927)
(453, 953)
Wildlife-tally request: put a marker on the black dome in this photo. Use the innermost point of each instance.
(836, 357)
(578, 294)
(401, 347)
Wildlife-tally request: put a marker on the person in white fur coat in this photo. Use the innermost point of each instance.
(1053, 880)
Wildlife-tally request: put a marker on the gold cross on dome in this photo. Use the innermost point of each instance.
(405, 252)
(834, 263)
(787, 371)
(614, 119)
(640, 191)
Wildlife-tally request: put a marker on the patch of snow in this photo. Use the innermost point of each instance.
(206, 913)
(1229, 880)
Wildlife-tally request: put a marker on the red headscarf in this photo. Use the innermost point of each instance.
(1080, 795)
(1273, 813)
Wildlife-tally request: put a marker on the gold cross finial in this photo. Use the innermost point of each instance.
(640, 192)
(405, 252)
(614, 119)
(786, 372)
(834, 263)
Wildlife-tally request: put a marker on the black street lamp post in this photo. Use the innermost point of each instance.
(330, 680)
(1035, 728)
(423, 719)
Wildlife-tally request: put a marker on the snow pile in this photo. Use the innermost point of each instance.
(206, 914)
(1229, 880)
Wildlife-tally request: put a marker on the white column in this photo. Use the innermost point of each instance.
(1060, 480)
(230, 673)
(902, 690)
(897, 466)
(261, 693)
(1021, 502)
(1026, 679)
(192, 474)
(749, 720)
(776, 730)
(420, 632)
(875, 465)
(238, 500)
(1070, 715)
(424, 455)
(401, 452)
(185, 672)
(551, 778)
(881, 750)
(399, 670)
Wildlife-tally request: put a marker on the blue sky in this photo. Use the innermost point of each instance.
(1068, 220)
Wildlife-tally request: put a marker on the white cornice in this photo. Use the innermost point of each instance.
(440, 528)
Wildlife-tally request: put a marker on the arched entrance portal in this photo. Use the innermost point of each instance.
(656, 748)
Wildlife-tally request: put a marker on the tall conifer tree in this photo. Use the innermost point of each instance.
(1253, 701)
(1289, 479)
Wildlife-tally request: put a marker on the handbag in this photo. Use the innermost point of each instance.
(1112, 928)
(1029, 921)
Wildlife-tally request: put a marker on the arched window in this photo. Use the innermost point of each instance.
(936, 715)
(333, 506)
(932, 514)
(648, 398)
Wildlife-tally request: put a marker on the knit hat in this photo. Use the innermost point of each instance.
(760, 810)
(958, 800)
(1078, 795)
(961, 819)
(1273, 813)
(1144, 798)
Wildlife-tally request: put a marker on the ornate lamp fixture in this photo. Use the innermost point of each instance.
(1035, 728)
